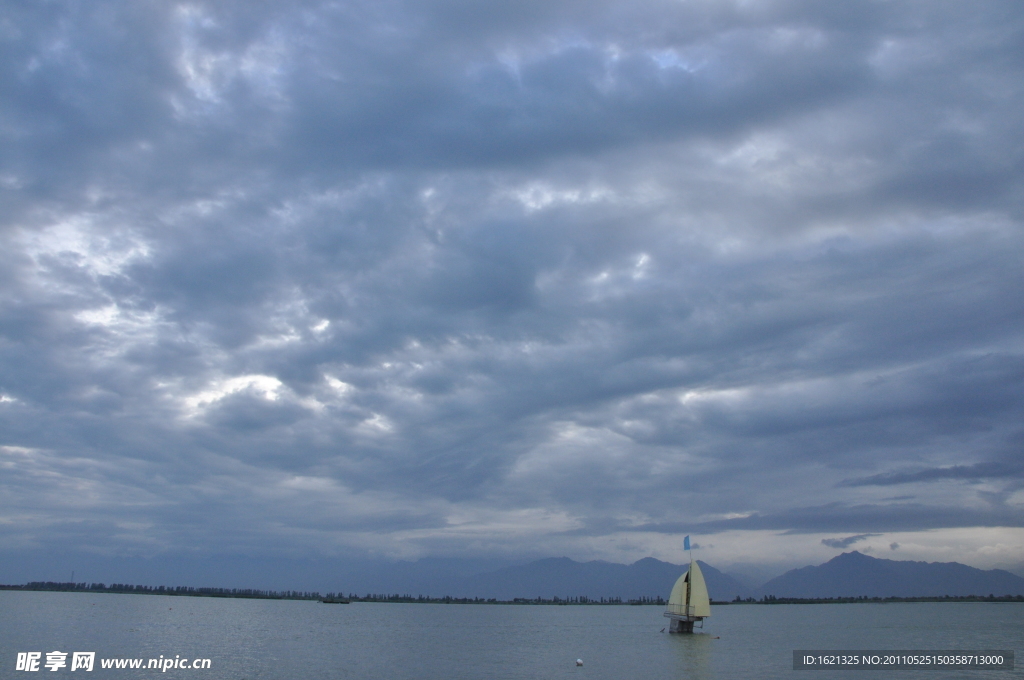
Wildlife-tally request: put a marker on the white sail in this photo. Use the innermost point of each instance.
(699, 599)
(689, 595)
(677, 599)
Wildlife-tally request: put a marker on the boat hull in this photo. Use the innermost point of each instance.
(682, 624)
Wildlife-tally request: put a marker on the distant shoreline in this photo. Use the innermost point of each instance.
(877, 600)
(254, 594)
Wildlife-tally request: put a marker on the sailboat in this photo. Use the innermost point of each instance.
(689, 601)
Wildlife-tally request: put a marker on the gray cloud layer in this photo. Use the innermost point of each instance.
(449, 278)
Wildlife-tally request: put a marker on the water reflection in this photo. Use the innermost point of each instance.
(693, 655)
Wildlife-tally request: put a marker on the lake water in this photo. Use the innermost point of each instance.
(293, 640)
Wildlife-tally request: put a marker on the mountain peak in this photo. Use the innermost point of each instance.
(852, 556)
(647, 561)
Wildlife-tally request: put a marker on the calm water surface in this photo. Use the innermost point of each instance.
(292, 640)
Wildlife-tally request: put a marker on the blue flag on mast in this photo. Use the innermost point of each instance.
(686, 543)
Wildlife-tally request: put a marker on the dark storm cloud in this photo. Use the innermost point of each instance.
(842, 543)
(400, 278)
(974, 472)
(841, 517)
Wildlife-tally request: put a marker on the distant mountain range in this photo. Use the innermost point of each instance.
(851, 574)
(854, 574)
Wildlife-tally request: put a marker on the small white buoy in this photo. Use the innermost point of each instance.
(579, 662)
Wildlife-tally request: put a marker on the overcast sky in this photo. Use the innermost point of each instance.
(387, 279)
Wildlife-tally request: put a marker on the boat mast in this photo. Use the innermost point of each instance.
(689, 580)
(689, 588)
